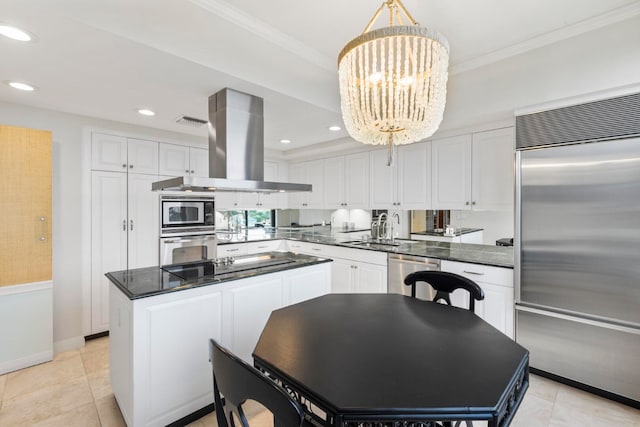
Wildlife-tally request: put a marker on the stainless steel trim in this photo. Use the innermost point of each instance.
(517, 227)
(198, 183)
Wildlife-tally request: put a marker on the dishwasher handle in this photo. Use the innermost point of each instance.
(428, 262)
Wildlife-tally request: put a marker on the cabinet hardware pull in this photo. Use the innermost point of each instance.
(232, 250)
(192, 171)
(473, 272)
(186, 171)
(130, 166)
(42, 238)
(466, 203)
(124, 225)
(316, 249)
(43, 219)
(262, 247)
(131, 224)
(473, 203)
(124, 165)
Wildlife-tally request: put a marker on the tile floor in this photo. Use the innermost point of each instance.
(74, 390)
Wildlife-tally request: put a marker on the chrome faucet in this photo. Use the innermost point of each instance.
(382, 223)
(397, 217)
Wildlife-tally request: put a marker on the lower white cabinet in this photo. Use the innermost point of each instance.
(352, 270)
(159, 346)
(264, 246)
(497, 308)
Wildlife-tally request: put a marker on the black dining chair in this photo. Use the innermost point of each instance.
(444, 284)
(238, 382)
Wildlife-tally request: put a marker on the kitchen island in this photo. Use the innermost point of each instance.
(161, 321)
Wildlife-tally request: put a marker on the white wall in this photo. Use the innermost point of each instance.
(68, 200)
(599, 60)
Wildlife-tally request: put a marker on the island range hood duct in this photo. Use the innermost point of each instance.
(236, 149)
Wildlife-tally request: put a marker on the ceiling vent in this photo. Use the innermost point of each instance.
(190, 121)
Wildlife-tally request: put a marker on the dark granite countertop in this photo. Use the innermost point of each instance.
(151, 281)
(496, 256)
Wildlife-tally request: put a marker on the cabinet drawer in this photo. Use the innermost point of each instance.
(234, 249)
(480, 273)
(263, 246)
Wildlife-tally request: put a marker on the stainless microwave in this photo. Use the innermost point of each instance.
(181, 215)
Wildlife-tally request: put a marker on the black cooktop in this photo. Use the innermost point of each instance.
(194, 270)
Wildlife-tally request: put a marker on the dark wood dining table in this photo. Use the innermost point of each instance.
(392, 360)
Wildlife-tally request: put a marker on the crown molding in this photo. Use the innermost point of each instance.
(594, 23)
(248, 22)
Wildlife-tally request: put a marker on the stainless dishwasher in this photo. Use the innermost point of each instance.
(401, 265)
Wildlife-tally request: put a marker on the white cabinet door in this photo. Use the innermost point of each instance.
(297, 174)
(451, 187)
(302, 285)
(315, 177)
(198, 162)
(311, 172)
(226, 200)
(172, 374)
(356, 181)
(143, 226)
(342, 276)
(174, 160)
(142, 156)
(493, 170)
(497, 308)
(370, 278)
(383, 181)
(108, 152)
(334, 182)
(250, 308)
(274, 172)
(108, 240)
(414, 175)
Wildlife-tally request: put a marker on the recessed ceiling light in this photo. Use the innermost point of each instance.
(21, 86)
(335, 128)
(146, 112)
(285, 141)
(15, 33)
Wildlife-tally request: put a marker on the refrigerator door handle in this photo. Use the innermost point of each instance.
(517, 227)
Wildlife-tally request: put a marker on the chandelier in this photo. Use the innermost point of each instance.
(393, 81)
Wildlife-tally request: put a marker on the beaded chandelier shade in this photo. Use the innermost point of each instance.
(393, 81)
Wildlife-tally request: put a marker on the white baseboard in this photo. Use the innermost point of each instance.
(73, 343)
(25, 362)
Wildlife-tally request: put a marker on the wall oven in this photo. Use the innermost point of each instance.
(184, 249)
(187, 229)
(186, 216)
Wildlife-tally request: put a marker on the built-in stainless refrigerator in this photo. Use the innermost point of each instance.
(577, 251)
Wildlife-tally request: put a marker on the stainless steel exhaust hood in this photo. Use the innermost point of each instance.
(236, 149)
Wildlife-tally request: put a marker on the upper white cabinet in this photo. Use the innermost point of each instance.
(492, 175)
(414, 176)
(346, 182)
(474, 171)
(406, 184)
(311, 172)
(451, 163)
(180, 160)
(121, 154)
(199, 161)
(273, 172)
